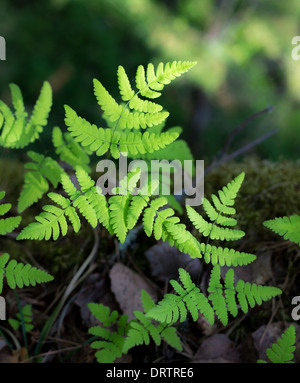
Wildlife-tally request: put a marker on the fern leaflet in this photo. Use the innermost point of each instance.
(287, 227)
(223, 205)
(112, 346)
(7, 225)
(283, 350)
(19, 275)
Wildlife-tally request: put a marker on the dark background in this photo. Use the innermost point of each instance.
(243, 50)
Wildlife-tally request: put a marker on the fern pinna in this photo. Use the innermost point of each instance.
(287, 227)
(283, 350)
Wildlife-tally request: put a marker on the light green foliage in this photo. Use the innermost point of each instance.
(127, 335)
(223, 206)
(7, 225)
(26, 314)
(224, 299)
(144, 114)
(42, 169)
(220, 227)
(112, 346)
(102, 140)
(17, 130)
(287, 227)
(69, 150)
(283, 350)
(52, 221)
(19, 275)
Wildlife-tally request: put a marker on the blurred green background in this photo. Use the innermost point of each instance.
(243, 50)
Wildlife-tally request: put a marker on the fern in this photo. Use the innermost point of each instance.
(287, 227)
(188, 298)
(144, 114)
(217, 213)
(19, 275)
(17, 129)
(283, 350)
(42, 170)
(7, 225)
(87, 200)
(127, 335)
(112, 346)
(26, 314)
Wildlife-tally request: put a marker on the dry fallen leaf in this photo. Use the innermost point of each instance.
(218, 348)
(165, 260)
(127, 286)
(95, 289)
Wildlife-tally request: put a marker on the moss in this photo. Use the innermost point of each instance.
(270, 189)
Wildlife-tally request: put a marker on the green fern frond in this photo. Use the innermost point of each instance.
(88, 200)
(43, 169)
(112, 346)
(283, 350)
(101, 140)
(188, 298)
(69, 150)
(19, 275)
(26, 314)
(287, 227)
(150, 83)
(141, 329)
(224, 256)
(126, 119)
(145, 113)
(7, 225)
(217, 214)
(17, 130)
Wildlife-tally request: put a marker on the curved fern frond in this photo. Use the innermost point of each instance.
(88, 200)
(7, 225)
(223, 205)
(287, 227)
(19, 275)
(17, 130)
(283, 350)
(188, 298)
(69, 150)
(43, 169)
